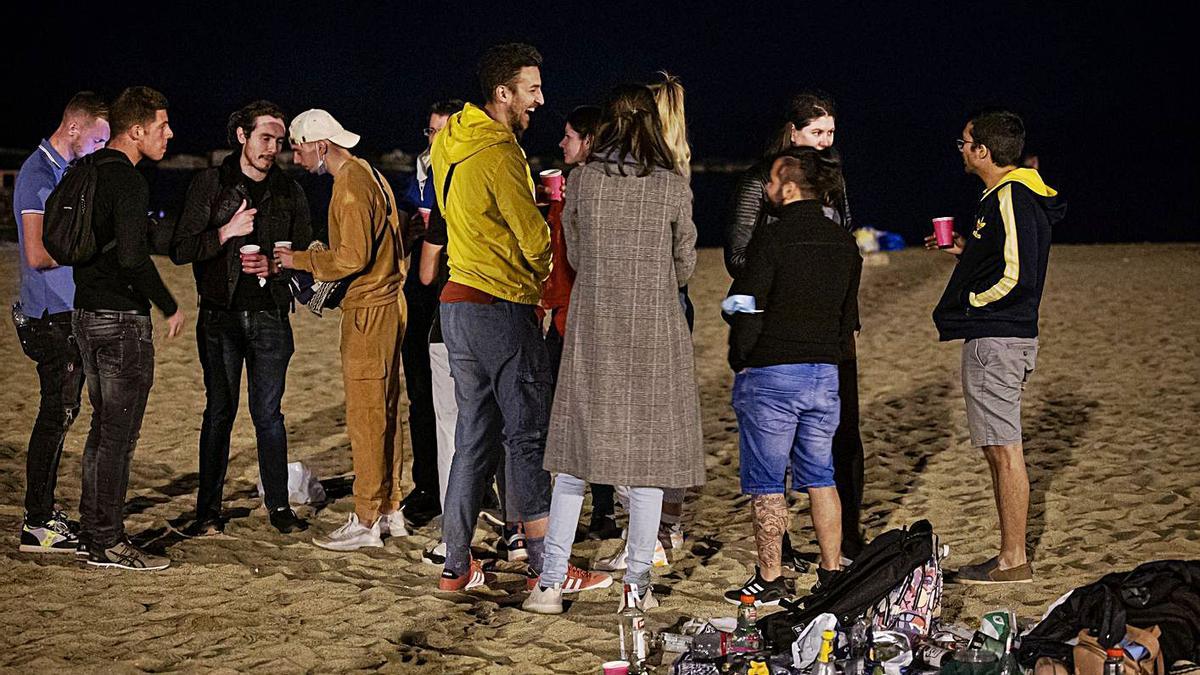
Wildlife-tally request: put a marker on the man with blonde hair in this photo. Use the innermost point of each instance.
(43, 319)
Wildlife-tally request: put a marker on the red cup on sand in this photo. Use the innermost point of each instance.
(943, 229)
(616, 668)
(552, 180)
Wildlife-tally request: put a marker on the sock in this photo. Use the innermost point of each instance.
(536, 547)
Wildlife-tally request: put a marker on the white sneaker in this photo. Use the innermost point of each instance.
(351, 536)
(645, 602)
(676, 537)
(618, 562)
(548, 601)
(392, 524)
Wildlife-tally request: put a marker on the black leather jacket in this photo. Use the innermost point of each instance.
(748, 212)
(212, 199)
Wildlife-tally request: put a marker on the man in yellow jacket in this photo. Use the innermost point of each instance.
(365, 248)
(499, 255)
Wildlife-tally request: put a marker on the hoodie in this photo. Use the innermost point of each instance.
(997, 286)
(498, 241)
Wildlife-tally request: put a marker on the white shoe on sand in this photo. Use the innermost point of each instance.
(351, 536)
(392, 524)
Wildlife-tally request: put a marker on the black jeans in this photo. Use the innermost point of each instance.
(48, 341)
(418, 381)
(263, 341)
(118, 361)
(848, 458)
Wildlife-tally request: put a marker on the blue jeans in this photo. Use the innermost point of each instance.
(787, 414)
(263, 341)
(502, 385)
(117, 349)
(645, 510)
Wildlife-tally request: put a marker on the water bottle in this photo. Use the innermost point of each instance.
(631, 624)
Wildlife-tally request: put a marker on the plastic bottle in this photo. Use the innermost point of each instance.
(1114, 661)
(824, 664)
(1008, 660)
(746, 637)
(631, 624)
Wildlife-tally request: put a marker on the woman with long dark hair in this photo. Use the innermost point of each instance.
(626, 410)
(810, 122)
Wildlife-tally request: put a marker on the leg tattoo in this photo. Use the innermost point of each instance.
(771, 519)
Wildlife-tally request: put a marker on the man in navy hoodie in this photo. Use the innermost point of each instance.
(991, 303)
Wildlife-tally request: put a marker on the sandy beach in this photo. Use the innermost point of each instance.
(1110, 424)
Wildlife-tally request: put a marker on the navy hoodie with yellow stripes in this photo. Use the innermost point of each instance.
(997, 286)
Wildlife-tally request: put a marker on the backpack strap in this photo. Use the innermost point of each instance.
(98, 162)
(446, 186)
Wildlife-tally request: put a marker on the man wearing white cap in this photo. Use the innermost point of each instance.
(364, 248)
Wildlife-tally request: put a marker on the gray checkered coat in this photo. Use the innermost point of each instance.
(626, 409)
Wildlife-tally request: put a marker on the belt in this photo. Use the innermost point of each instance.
(115, 312)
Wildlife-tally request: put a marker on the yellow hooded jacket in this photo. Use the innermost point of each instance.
(498, 241)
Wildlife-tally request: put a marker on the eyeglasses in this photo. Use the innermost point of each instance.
(962, 142)
(429, 132)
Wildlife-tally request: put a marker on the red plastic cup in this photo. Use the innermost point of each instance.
(616, 668)
(552, 180)
(424, 214)
(943, 229)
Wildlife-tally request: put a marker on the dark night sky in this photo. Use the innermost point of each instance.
(1102, 91)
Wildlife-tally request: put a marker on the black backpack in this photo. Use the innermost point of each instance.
(886, 562)
(67, 231)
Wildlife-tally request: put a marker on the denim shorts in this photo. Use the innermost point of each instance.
(787, 415)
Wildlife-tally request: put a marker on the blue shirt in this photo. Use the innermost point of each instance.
(42, 291)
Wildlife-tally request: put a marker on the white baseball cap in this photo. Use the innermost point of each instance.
(318, 125)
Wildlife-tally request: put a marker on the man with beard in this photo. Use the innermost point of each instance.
(365, 249)
(499, 255)
(244, 305)
(43, 320)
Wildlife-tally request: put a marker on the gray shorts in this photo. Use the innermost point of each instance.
(994, 373)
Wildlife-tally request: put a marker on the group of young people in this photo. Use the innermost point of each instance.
(544, 334)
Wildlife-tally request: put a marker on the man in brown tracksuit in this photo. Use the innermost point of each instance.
(364, 248)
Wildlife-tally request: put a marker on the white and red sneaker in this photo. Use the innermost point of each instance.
(474, 578)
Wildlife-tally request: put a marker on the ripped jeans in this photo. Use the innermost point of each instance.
(49, 342)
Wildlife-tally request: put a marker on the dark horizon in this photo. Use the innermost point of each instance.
(1101, 92)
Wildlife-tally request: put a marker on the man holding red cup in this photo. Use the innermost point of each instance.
(991, 303)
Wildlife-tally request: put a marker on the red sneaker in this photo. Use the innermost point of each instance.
(582, 580)
(474, 578)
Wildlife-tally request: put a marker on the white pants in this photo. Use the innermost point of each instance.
(445, 408)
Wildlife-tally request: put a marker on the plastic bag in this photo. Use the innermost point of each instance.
(303, 486)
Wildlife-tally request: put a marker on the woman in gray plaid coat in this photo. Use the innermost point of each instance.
(626, 409)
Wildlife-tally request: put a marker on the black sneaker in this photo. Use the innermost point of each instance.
(435, 555)
(286, 521)
(603, 526)
(512, 543)
(202, 526)
(791, 559)
(52, 536)
(72, 525)
(767, 593)
(126, 556)
(81, 551)
(824, 579)
(420, 507)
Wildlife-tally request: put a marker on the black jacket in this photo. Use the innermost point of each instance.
(123, 278)
(213, 197)
(996, 287)
(803, 271)
(749, 211)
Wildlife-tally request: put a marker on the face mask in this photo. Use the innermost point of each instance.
(321, 168)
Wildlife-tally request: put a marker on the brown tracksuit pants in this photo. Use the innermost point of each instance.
(371, 374)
